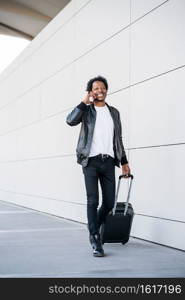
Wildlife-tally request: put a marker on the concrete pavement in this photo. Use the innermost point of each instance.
(34, 244)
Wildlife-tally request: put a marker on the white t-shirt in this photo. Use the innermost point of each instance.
(102, 141)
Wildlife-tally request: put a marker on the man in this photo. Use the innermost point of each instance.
(99, 150)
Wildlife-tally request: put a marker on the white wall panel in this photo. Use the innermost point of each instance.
(37, 147)
(47, 178)
(26, 76)
(114, 65)
(21, 112)
(157, 111)
(49, 137)
(62, 47)
(7, 118)
(40, 41)
(55, 24)
(76, 212)
(159, 231)
(28, 108)
(10, 68)
(58, 93)
(142, 7)
(8, 144)
(9, 94)
(157, 45)
(159, 181)
(8, 175)
(121, 101)
(4, 88)
(98, 21)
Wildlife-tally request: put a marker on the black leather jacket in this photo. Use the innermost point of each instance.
(86, 114)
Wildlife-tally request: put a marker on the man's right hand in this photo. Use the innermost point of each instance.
(87, 98)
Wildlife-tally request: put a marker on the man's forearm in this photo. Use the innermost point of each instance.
(75, 117)
(124, 160)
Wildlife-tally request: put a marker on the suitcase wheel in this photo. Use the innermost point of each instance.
(125, 241)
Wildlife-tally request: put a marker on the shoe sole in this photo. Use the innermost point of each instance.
(98, 255)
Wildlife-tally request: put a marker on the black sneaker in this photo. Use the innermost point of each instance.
(96, 245)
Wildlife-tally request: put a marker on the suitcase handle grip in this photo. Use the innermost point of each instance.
(126, 176)
(117, 191)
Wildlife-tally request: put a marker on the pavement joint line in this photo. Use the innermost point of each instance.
(50, 275)
(98, 274)
(15, 212)
(36, 230)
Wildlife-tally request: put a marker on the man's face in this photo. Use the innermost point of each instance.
(99, 90)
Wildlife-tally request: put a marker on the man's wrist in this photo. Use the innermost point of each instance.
(124, 160)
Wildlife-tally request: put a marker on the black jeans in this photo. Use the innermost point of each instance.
(103, 171)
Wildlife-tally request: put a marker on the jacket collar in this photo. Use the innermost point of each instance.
(92, 105)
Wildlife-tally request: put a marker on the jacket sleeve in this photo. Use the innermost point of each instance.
(124, 157)
(75, 117)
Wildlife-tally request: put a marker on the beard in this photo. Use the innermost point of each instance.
(98, 100)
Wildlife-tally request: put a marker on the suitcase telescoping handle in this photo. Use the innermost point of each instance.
(117, 191)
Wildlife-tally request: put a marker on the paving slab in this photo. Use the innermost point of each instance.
(35, 244)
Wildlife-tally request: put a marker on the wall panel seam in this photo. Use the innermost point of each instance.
(41, 197)
(76, 13)
(74, 155)
(160, 218)
(78, 58)
(48, 38)
(79, 203)
(68, 109)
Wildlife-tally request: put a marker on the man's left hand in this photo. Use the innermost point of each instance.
(125, 169)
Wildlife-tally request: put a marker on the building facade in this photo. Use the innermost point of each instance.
(139, 47)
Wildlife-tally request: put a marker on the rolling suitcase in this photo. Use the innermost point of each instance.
(117, 226)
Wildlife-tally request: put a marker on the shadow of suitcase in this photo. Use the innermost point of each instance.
(117, 226)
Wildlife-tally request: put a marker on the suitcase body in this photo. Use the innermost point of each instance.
(117, 226)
